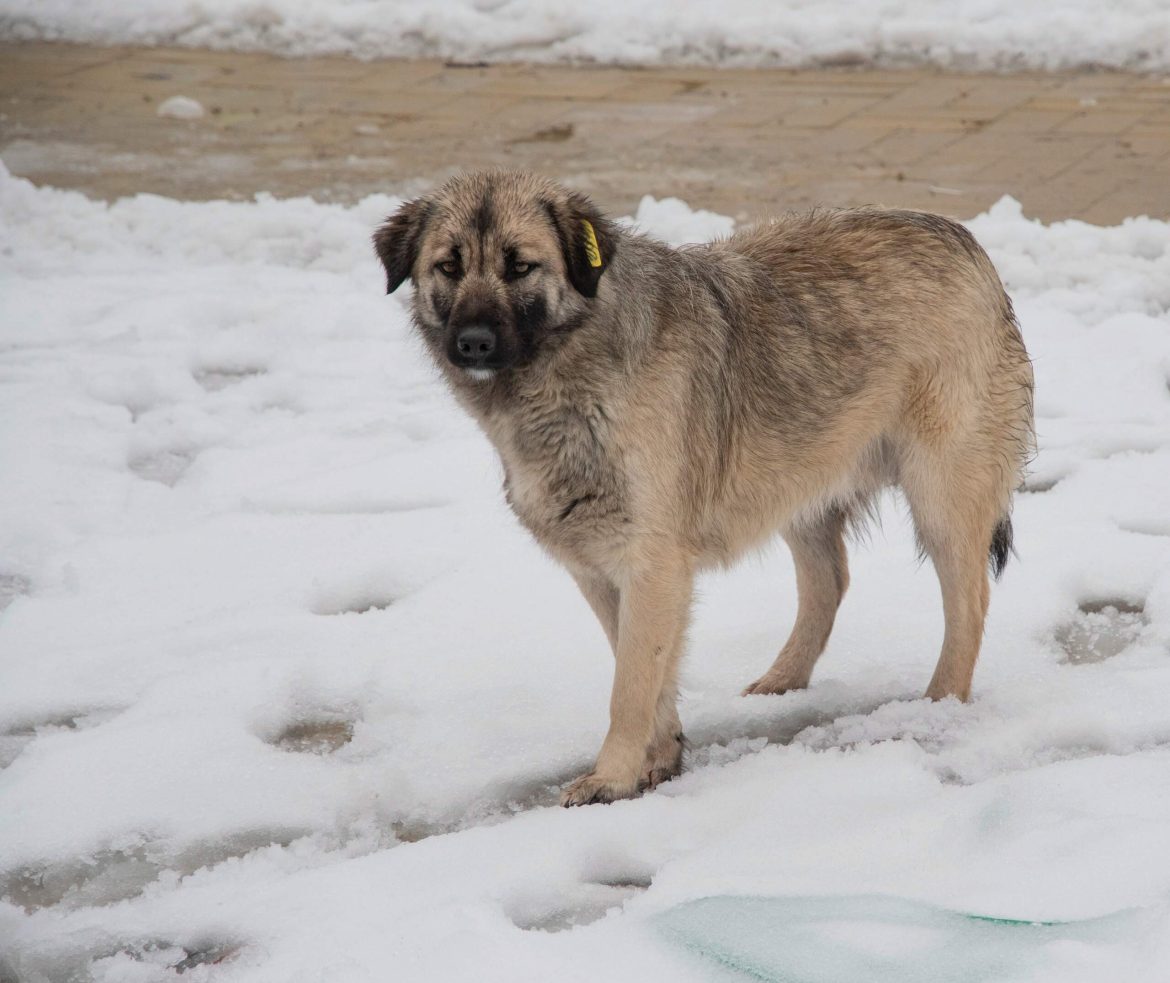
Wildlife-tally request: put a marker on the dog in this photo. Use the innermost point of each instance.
(659, 411)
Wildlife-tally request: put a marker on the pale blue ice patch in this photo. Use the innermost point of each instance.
(873, 939)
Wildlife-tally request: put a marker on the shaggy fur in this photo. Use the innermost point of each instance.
(658, 411)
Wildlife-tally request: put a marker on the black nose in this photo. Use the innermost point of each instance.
(477, 343)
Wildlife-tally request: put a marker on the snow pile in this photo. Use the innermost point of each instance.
(971, 34)
(288, 693)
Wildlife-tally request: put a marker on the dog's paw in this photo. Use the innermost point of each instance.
(663, 762)
(592, 788)
(770, 684)
(653, 777)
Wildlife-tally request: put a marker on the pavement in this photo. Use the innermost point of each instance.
(1093, 145)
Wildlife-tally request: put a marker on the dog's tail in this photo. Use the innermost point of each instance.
(1001, 547)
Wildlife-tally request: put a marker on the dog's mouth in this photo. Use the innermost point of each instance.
(479, 373)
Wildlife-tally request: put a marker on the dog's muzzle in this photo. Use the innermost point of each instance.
(474, 347)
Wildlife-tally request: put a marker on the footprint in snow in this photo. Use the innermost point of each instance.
(1100, 630)
(336, 602)
(12, 586)
(214, 379)
(593, 901)
(1146, 528)
(1039, 483)
(141, 960)
(315, 736)
(18, 736)
(165, 467)
(109, 876)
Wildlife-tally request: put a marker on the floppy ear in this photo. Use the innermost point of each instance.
(588, 240)
(396, 242)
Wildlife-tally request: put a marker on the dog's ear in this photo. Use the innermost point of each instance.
(397, 241)
(588, 240)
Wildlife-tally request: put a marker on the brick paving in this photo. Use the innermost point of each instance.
(1093, 145)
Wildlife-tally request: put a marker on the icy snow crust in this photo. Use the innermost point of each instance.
(287, 693)
(972, 34)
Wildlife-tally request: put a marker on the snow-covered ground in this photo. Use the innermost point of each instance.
(287, 693)
(976, 34)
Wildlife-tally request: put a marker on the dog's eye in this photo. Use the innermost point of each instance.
(448, 268)
(516, 270)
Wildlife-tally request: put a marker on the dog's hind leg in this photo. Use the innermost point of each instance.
(959, 554)
(822, 576)
(959, 509)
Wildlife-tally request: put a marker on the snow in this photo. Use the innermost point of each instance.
(965, 34)
(181, 107)
(288, 693)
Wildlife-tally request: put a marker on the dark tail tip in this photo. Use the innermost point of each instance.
(1001, 546)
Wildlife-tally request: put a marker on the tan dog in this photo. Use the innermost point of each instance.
(658, 411)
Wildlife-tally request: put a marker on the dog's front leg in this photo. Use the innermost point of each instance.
(654, 605)
(603, 598)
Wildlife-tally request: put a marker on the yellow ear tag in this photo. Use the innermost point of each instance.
(592, 252)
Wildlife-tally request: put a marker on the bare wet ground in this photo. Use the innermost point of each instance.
(1090, 145)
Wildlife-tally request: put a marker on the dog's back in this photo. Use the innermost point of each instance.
(825, 354)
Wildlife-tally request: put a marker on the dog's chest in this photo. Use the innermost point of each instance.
(562, 474)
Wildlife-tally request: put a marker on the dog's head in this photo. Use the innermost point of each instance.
(503, 264)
